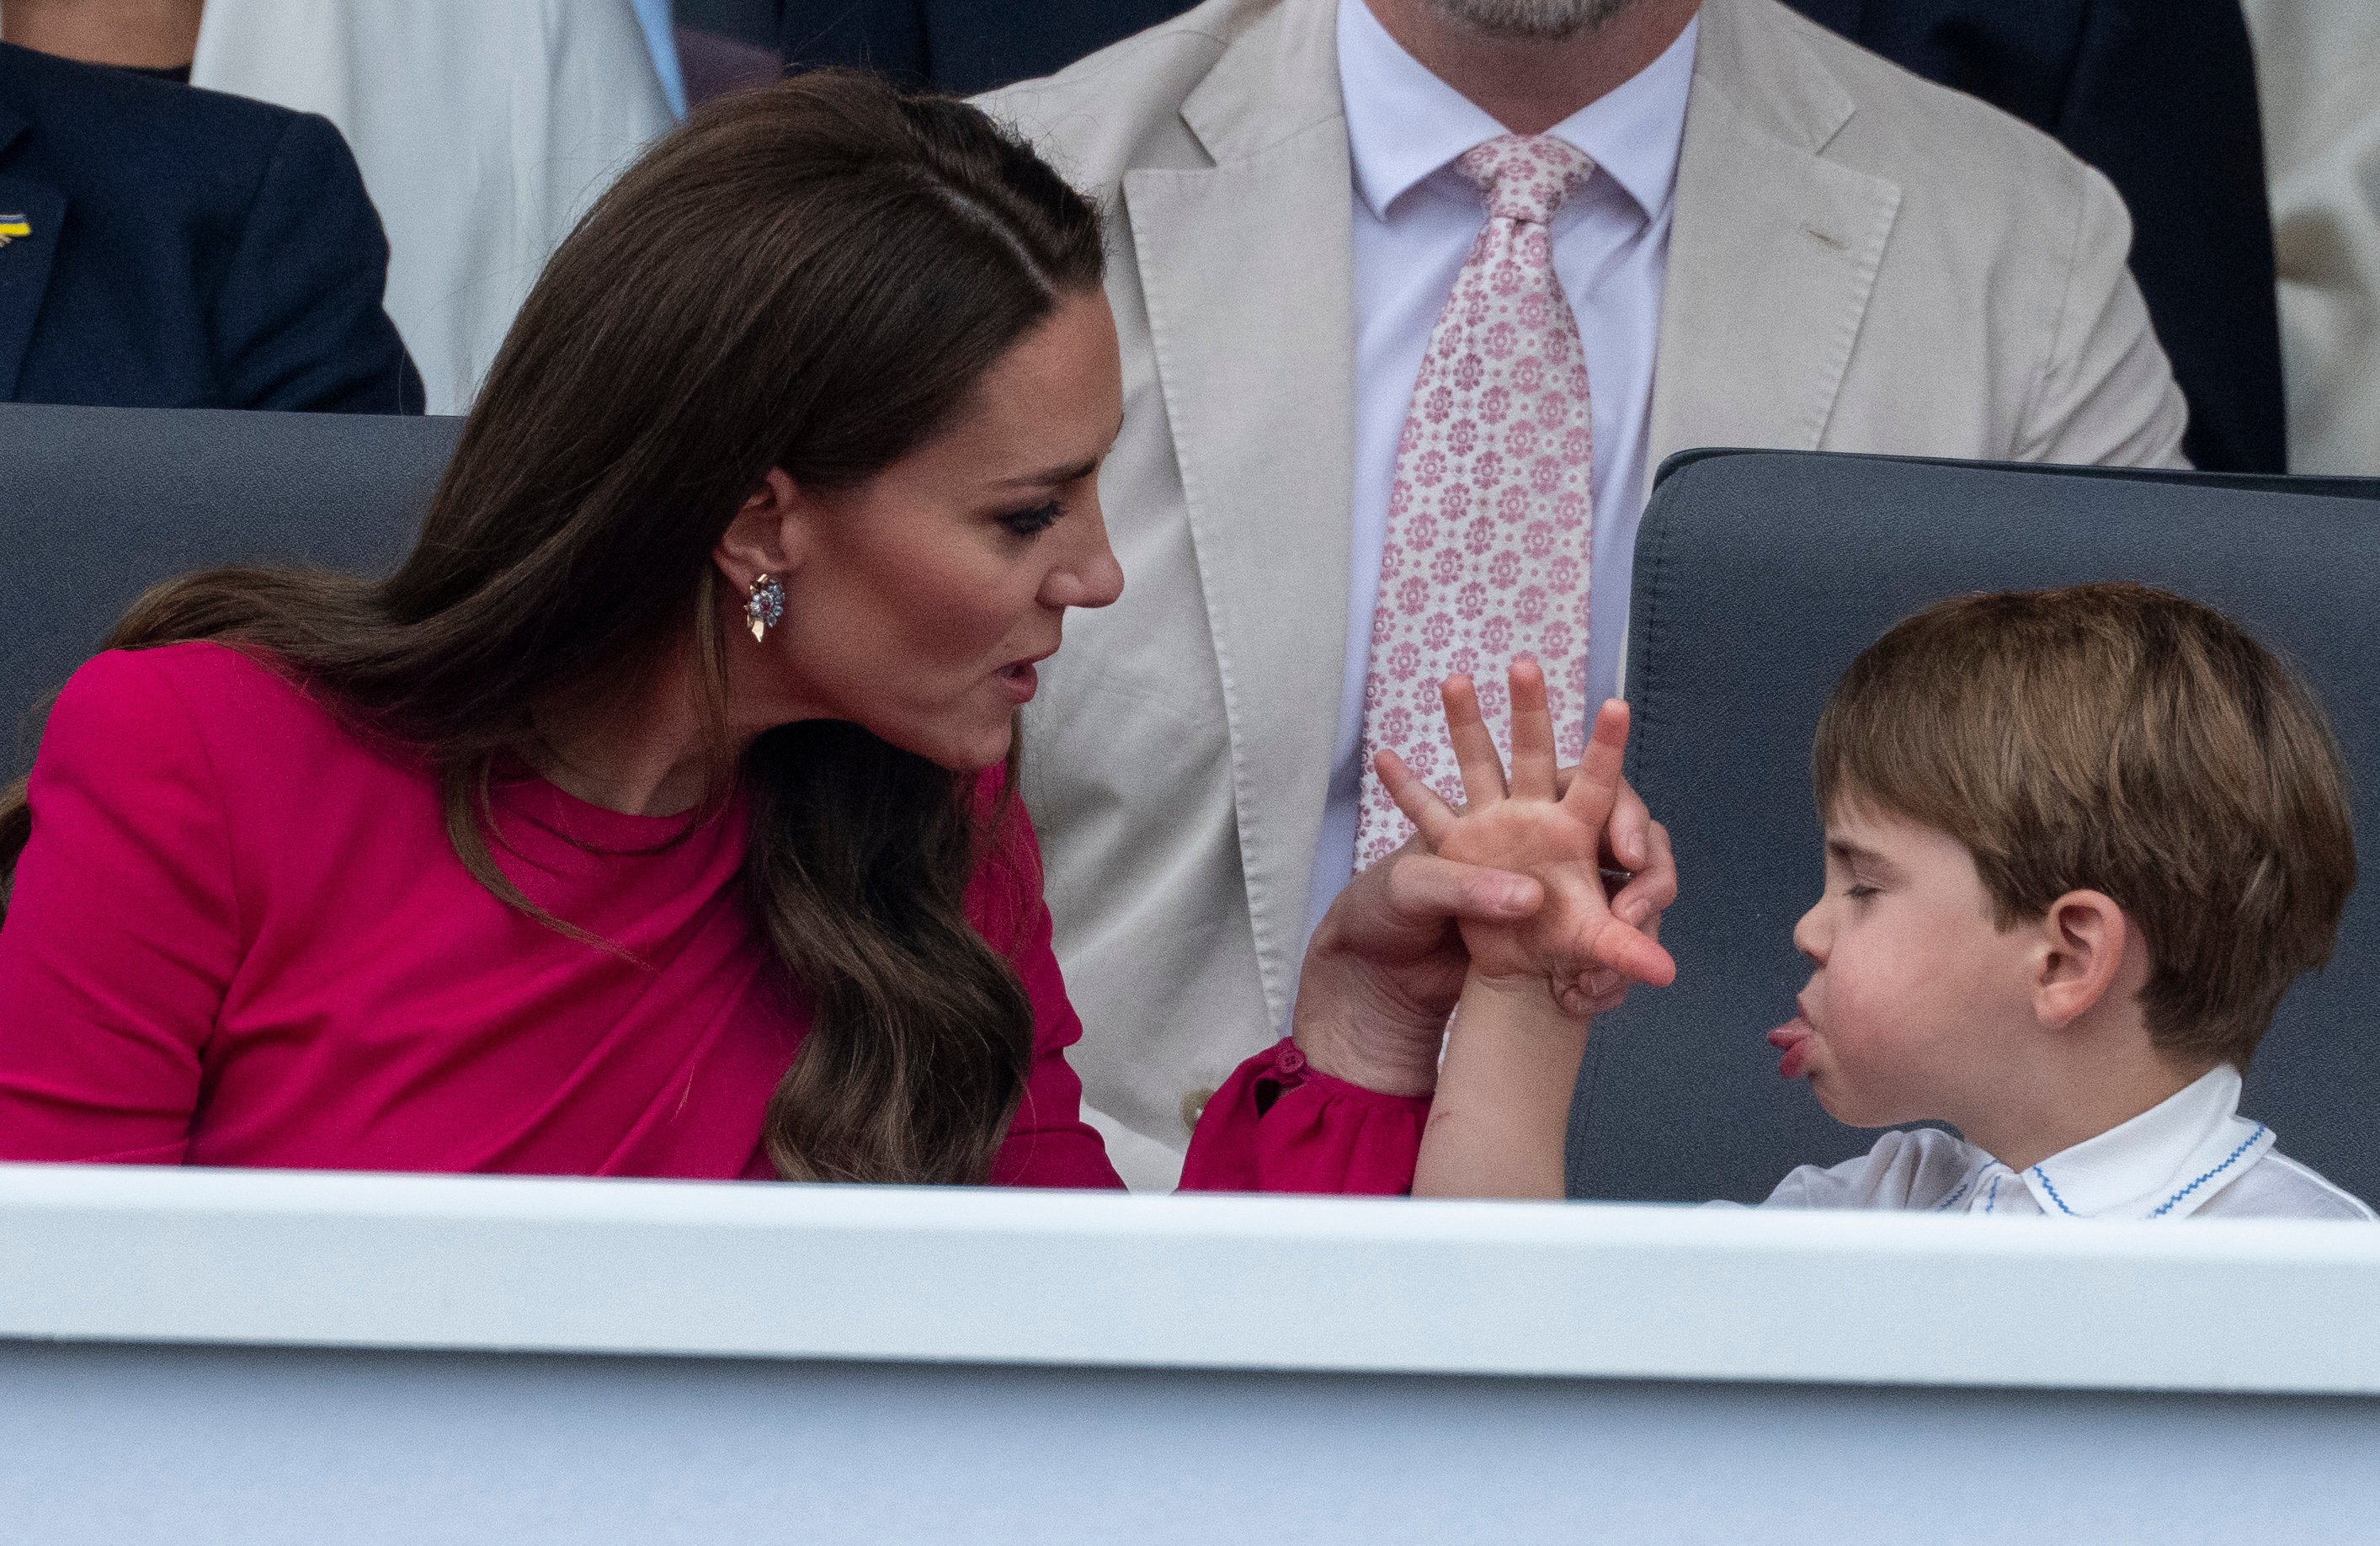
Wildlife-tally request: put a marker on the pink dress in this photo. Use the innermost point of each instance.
(238, 936)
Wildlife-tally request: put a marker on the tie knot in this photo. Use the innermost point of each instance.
(1525, 176)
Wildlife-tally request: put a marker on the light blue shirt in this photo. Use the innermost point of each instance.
(660, 25)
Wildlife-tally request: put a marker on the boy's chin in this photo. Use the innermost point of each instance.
(1840, 1101)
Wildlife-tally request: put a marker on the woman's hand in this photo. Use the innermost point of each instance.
(1534, 827)
(1386, 963)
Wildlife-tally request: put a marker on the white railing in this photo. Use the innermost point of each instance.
(708, 1287)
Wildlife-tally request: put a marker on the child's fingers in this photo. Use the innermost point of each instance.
(1632, 954)
(1532, 733)
(1432, 816)
(1594, 786)
(1474, 748)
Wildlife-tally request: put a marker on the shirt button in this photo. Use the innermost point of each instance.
(1288, 1059)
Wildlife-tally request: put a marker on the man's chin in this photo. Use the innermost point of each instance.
(1531, 20)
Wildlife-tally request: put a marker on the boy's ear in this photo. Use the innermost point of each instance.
(770, 535)
(2084, 941)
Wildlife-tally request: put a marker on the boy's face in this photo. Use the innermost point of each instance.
(1917, 993)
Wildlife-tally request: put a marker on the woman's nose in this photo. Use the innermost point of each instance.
(1090, 577)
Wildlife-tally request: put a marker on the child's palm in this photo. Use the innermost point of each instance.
(1528, 827)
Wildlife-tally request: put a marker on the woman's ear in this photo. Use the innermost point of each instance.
(2085, 939)
(768, 536)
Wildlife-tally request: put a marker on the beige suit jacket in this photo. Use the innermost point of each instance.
(1859, 261)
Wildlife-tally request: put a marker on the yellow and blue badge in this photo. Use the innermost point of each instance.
(12, 227)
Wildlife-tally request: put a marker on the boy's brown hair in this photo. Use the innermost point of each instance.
(2121, 739)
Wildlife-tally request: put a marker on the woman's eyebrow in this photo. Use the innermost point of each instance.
(1051, 477)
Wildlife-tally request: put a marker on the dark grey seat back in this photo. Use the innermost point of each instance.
(97, 504)
(1759, 576)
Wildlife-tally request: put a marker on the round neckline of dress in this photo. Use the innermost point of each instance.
(528, 793)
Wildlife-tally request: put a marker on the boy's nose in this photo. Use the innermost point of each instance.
(1809, 934)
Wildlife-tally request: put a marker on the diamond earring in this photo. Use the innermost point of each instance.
(765, 607)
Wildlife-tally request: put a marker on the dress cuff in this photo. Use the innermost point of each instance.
(1280, 1124)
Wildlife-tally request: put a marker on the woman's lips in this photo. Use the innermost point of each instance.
(1791, 1039)
(1020, 679)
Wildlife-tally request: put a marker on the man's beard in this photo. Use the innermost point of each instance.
(1545, 20)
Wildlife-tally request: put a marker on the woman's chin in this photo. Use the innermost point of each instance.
(964, 754)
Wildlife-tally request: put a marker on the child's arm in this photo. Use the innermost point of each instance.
(1498, 1124)
(1503, 1093)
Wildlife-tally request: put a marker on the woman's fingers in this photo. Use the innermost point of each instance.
(1654, 886)
(1475, 747)
(1594, 789)
(1532, 733)
(1625, 838)
(1432, 816)
(1432, 888)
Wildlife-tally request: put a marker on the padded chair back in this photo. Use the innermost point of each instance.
(98, 504)
(1759, 576)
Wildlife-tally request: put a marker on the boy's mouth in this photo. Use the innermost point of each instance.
(1792, 1039)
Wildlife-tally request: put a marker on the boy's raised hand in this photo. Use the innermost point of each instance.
(1526, 827)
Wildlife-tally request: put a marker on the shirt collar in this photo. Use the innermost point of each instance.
(2165, 1162)
(1404, 123)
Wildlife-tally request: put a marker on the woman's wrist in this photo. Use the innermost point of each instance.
(1346, 1029)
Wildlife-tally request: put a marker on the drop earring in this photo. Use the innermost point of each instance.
(765, 607)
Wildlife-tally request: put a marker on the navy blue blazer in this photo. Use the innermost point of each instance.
(2159, 95)
(178, 247)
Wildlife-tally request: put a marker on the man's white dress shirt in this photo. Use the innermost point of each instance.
(2193, 1153)
(1415, 221)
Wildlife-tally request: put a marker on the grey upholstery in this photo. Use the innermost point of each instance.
(1759, 576)
(96, 504)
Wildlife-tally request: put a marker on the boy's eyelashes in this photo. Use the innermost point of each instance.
(1860, 891)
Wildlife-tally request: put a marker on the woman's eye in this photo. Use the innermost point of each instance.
(1859, 892)
(1029, 523)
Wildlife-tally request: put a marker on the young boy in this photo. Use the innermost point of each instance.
(2078, 844)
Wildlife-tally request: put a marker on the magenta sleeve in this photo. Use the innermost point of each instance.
(1280, 1124)
(122, 930)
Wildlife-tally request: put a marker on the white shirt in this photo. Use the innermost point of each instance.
(2193, 1153)
(482, 130)
(1415, 218)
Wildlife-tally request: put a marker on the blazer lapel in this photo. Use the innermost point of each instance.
(24, 259)
(1247, 269)
(1773, 250)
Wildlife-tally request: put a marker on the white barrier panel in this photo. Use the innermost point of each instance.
(197, 1357)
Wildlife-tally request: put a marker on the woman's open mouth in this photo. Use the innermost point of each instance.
(1020, 679)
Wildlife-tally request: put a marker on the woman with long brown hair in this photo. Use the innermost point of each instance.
(653, 817)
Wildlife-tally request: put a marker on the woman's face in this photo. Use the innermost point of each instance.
(917, 603)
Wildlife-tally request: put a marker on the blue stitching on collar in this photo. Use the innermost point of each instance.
(2245, 1143)
(1964, 1188)
(2052, 1193)
(1993, 1202)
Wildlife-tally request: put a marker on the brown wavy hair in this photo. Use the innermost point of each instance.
(813, 277)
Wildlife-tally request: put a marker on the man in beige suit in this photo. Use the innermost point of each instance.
(1785, 241)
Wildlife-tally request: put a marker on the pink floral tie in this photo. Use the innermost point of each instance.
(1490, 519)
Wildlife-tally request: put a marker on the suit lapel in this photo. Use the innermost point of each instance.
(1774, 249)
(1247, 269)
(25, 261)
